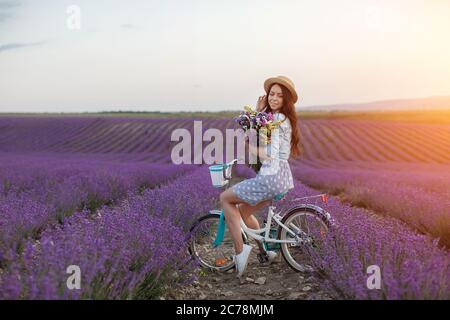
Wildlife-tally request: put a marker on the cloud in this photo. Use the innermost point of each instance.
(12, 46)
(5, 9)
(9, 4)
(4, 16)
(129, 26)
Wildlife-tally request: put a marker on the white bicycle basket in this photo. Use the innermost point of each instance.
(220, 174)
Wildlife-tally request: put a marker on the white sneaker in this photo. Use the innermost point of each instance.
(241, 259)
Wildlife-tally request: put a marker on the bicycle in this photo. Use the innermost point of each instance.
(213, 248)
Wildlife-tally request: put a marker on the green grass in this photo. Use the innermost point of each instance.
(415, 116)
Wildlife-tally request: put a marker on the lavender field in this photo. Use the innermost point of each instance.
(101, 193)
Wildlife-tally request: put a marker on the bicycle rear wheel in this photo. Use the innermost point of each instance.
(203, 234)
(311, 230)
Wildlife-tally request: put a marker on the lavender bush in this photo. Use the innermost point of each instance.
(34, 194)
(128, 251)
(422, 200)
(413, 266)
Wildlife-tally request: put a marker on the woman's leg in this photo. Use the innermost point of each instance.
(233, 215)
(247, 213)
(229, 200)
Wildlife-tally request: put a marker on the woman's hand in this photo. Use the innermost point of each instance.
(261, 104)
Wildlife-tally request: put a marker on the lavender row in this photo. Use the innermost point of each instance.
(413, 266)
(421, 200)
(132, 250)
(35, 194)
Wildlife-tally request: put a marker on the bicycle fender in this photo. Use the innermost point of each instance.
(216, 212)
(326, 217)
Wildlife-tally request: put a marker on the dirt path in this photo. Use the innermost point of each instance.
(260, 282)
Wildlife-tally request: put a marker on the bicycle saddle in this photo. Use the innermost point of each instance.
(280, 196)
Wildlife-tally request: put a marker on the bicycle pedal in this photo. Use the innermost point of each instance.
(220, 262)
(262, 257)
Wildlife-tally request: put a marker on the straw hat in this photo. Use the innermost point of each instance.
(285, 81)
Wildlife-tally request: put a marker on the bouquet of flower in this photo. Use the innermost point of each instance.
(261, 122)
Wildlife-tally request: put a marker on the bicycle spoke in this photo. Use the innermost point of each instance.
(310, 228)
(203, 249)
(307, 226)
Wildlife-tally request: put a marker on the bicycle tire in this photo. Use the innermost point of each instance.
(203, 251)
(299, 263)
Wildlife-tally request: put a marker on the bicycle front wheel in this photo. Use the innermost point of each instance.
(310, 230)
(203, 234)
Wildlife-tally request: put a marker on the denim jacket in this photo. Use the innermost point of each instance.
(280, 146)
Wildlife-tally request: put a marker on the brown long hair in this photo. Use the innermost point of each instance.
(288, 109)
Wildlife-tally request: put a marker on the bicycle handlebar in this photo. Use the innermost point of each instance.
(231, 162)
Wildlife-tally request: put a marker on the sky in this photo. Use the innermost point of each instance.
(173, 55)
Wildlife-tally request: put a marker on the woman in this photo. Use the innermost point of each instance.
(253, 194)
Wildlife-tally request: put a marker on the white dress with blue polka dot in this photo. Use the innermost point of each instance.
(275, 175)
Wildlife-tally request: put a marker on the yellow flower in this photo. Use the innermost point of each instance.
(249, 109)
